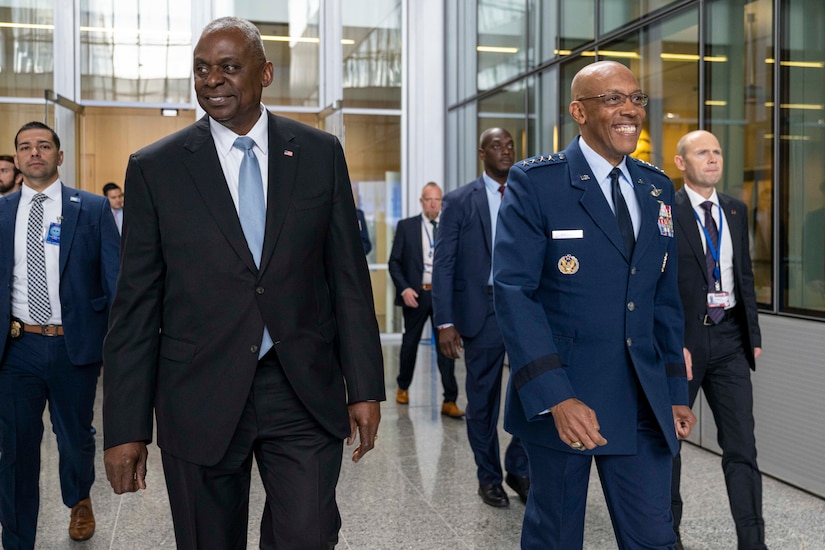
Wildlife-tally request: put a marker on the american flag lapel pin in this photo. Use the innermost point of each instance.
(288, 153)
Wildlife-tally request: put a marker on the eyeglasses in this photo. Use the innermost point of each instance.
(616, 99)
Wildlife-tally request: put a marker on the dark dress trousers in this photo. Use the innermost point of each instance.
(582, 319)
(406, 266)
(722, 362)
(462, 296)
(188, 318)
(62, 370)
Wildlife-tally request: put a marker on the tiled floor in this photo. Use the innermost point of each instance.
(417, 491)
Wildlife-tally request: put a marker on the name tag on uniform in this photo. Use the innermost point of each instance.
(718, 299)
(568, 234)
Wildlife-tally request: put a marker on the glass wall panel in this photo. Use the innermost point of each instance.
(292, 41)
(739, 111)
(617, 13)
(668, 70)
(502, 41)
(136, 51)
(373, 150)
(26, 48)
(372, 49)
(802, 142)
(578, 24)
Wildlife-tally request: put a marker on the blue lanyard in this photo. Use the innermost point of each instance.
(427, 222)
(714, 252)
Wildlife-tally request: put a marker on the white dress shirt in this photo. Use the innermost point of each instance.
(52, 213)
(726, 246)
(428, 248)
(231, 157)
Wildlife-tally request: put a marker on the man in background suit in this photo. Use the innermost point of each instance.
(722, 335)
(59, 254)
(411, 269)
(10, 176)
(114, 193)
(464, 315)
(244, 318)
(588, 303)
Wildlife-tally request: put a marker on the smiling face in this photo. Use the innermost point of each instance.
(700, 160)
(230, 74)
(612, 132)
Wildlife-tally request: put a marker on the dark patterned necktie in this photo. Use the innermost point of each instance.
(714, 313)
(622, 213)
(435, 229)
(501, 189)
(40, 308)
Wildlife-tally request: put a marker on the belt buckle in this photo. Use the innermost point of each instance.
(48, 330)
(707, 321)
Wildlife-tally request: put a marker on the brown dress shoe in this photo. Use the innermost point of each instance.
(402, 397)
(82, 523)
(449, 408)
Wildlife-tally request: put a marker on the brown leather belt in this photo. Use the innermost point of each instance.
(426, 287)
(44, 330)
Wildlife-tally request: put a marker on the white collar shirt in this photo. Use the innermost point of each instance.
(428, 247)
(52, 214)
(726, 248)
(601, 171)
(230, 156)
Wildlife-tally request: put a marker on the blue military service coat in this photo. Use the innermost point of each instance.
(579, 317)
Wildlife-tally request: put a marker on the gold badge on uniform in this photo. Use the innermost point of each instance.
(15, 328)
(568, 264)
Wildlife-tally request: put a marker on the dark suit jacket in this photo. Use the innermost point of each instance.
(89, 256)
(365, 233)
(406, 262)
(693, 278)
(191, 304)
(579, 317)
(463, 256)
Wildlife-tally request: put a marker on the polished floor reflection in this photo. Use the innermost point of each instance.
(417, 491)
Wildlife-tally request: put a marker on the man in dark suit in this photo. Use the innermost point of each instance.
(114, 193)
(722, 335)
(464, 315)
(588, 303)
(244, 317)
(411, 269)
(59, 252)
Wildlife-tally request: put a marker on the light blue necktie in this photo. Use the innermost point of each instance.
(252, 210)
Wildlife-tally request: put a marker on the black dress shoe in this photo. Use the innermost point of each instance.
(520, 484)
(493, 494)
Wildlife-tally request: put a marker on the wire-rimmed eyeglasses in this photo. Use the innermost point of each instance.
(615, 99)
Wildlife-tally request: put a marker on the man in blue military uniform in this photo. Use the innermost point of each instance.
(587, 300)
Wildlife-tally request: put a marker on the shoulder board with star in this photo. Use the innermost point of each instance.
(542, 160)
(645, 164)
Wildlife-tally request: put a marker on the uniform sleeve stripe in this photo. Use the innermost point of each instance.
(535, 369)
